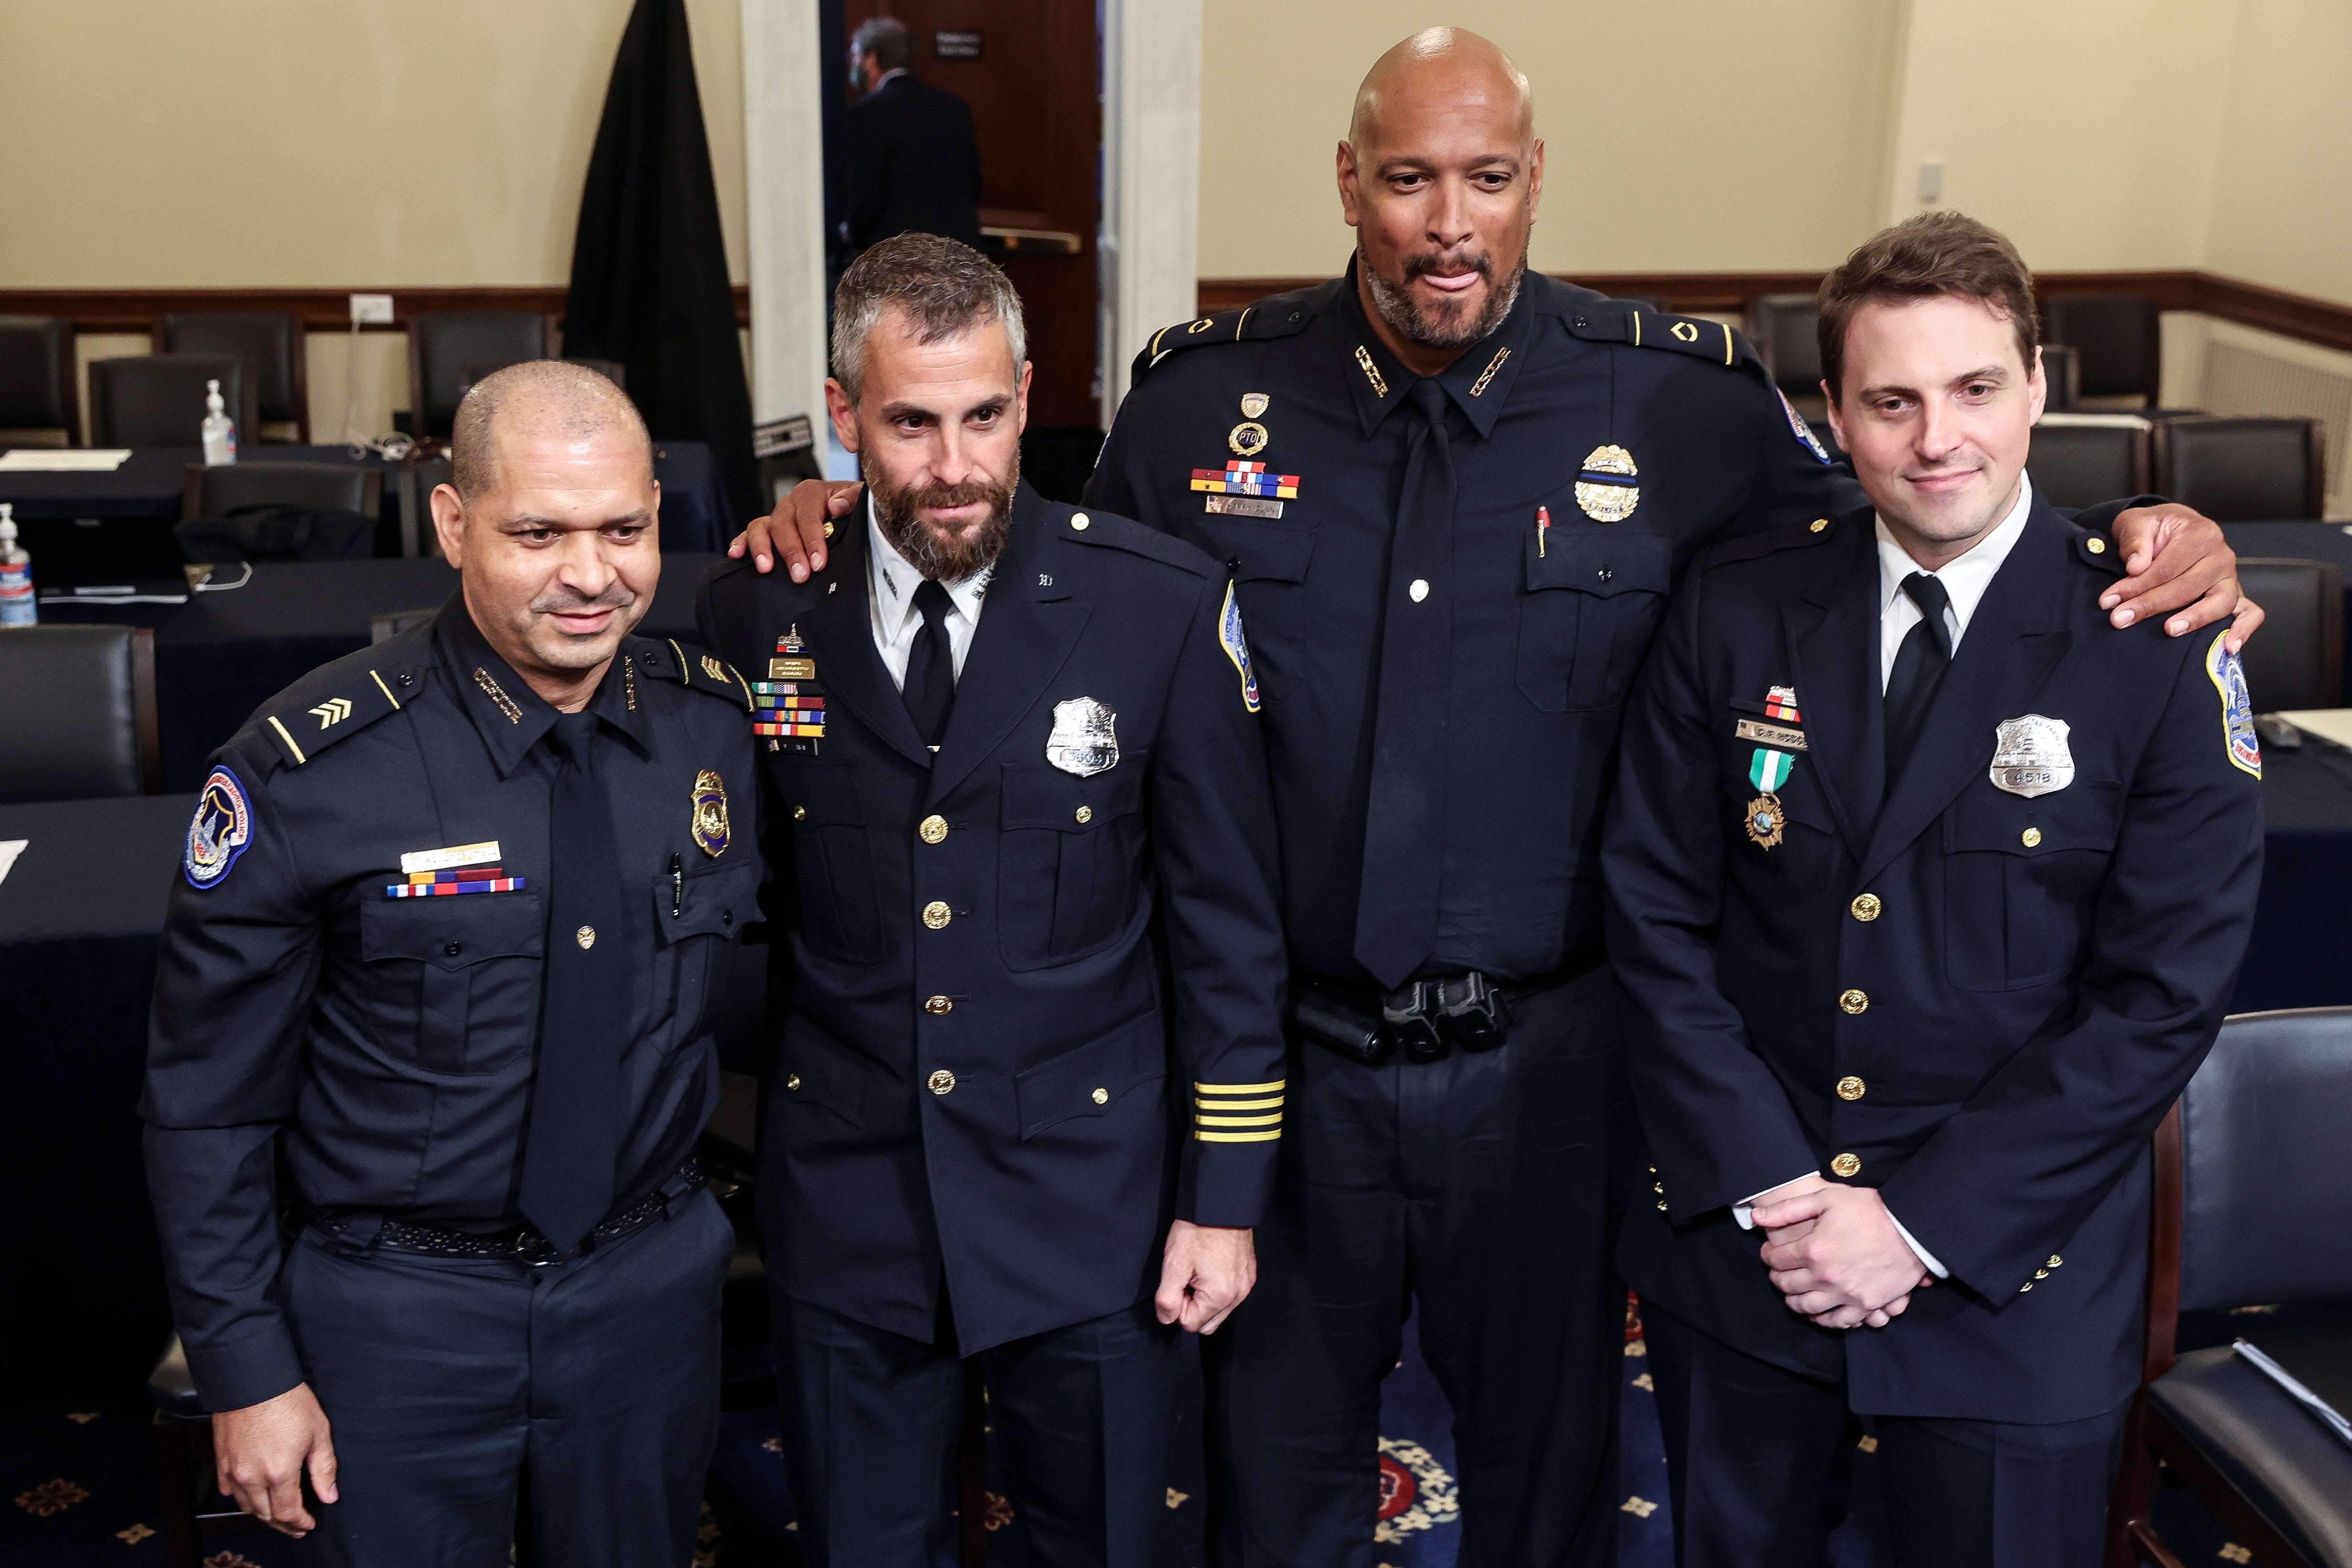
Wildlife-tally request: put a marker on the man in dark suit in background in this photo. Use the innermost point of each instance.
(913, 158)
(1030, 1088)
(1927, 893)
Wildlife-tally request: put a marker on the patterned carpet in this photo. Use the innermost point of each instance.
(81, 1488)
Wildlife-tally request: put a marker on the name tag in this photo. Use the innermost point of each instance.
(1770, 734)
(417, 860)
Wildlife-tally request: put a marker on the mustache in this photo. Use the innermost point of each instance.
(565, 601)
(971, 492)
(1426, 262)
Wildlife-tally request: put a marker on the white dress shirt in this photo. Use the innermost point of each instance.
(1965, 580)
(891, 601)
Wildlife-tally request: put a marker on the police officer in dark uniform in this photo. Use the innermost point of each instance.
(1453, 496)
(1031, 1083)
(432, 1037)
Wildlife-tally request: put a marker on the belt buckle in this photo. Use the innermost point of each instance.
(1410, 1014)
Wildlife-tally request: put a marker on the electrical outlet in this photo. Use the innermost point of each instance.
(1931, 182)
(370, 309)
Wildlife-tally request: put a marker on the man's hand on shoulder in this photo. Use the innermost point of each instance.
(260, 1452)
(1835, 1254)
(1205, 1272)
(2175, 558)
(798, 528)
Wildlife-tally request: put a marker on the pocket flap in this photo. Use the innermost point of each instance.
(819, 1071)
(454, 930)
(1038, 795)
(715, 901)
(1260, 551)
(821, 793)
(2085, 815)
(1602, 564)
(1091, 1079)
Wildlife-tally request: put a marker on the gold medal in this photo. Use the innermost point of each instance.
(1248, 438)
(1605, 489)
(1765, 819)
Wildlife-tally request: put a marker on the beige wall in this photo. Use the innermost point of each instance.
(319, 142)
(2282, 210)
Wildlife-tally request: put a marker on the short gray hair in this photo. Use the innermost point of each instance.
(944, 286)
(886, 39)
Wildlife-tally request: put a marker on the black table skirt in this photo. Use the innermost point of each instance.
(221, 656)
(2301, 954)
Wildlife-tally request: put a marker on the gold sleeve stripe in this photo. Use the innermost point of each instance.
(1239, 1104)
(1637, 329)
(282, 734)
(1272, 1088)
(1274, 1120)
(1238, 1137)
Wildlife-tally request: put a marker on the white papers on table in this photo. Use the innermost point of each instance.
(64, 459)
(9, 849)
(2329, 724)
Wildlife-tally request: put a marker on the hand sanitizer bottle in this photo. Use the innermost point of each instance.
(220, 431)
(18, 606)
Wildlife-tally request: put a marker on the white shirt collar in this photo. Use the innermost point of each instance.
(1966, 577)
(895, 581)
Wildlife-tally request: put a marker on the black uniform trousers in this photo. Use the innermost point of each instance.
(446, 1378)
(871, 1421)
(1485, 1188)
(1758, 1457)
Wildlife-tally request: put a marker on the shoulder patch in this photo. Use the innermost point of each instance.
(1237, 645)
(2238, 738)
(696, 669)
(1802, 431)
(1112, 531)
(1277, 316)
(220, 830)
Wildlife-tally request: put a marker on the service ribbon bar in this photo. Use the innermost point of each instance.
(1239, 478)
(440, 889)
(1237, 1112)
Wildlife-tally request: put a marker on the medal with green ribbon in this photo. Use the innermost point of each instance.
(1767, 769)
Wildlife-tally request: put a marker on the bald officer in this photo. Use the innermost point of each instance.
(436, 987)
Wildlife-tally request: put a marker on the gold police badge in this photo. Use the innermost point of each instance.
(1606, 488)
(711, 828)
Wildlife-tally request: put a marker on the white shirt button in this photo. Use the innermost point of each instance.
(1420, 589)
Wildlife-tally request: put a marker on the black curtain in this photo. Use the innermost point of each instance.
(649, 283)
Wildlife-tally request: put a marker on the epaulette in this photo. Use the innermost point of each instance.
(1647, 328)
(1114, 533)
(1277, 316)
(344, 696)
(696, 669)
(2096, 549)
(1769, 541)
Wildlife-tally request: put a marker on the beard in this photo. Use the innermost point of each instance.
(1441, 324)
(940, 556)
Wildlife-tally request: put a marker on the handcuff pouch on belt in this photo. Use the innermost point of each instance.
(1423, 1019)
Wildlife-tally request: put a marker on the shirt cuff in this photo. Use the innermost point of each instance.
(1926, 1258)
(1744, 1211)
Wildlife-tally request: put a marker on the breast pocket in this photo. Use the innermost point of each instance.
(840, 911)
(1268, 561)
(1593, 600)
(696, 921)
(1067, 861)
(459, 977)
(2021, 876)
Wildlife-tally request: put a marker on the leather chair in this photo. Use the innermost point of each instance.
(2243, 470)
(2253, 1207)
(273, 343)
(280, 512)
(319, 487)
(158, 400)
(1784, 329)
(2082, 459)
(78, 705)
(450, 350)
(2061, 372)
(2298, 662)
(36, 376)
(2120, 337)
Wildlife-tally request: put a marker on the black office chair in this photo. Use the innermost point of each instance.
(2243, 470)
(158, 400)
(280, 512)
(2082, 459)
(272, 343)
(450, 350)
(2062, 370)
(37, 377)
(2253, 1206)
(2120, 337)
(612, 369)
(2298, 662)
(1784, 328)
(78, 705)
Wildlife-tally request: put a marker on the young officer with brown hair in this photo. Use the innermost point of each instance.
(1927, 893)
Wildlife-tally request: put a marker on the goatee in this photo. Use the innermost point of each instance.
(1441, 325)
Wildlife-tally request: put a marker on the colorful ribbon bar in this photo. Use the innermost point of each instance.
(440, 889)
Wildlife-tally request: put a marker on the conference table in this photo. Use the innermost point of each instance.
(221, 653)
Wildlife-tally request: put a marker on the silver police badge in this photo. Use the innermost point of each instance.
(1085, 741)
(2030, 756)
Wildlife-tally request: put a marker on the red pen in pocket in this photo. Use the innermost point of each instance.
(1543, 528)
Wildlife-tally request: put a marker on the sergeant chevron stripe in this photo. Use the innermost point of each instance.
(1237, 1112)
(333, 710)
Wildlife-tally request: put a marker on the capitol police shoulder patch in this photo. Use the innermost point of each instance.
(2237, 707)
(1236, 644)
(1801, 430)
(221, 829)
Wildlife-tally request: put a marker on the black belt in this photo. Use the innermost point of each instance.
(1422, 1019)
(518, 1243)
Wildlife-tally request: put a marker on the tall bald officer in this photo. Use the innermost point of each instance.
(1030, 1086)
(436, 984)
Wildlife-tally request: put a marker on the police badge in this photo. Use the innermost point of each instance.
(711, 828)
(1085, 741)
(2030, 756)
(1606, 487)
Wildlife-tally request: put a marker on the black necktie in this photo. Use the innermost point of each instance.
(567, 1163)
(1404, 825)
(1919, 665)
(929, 689)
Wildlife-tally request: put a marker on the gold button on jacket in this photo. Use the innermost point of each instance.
(1846, 1165)
(2029, 837)
(1851, 1088)
(939, 1004)
(792, 1081)
(1866, 906)
(936, 914)
(941, 1081)
(1854, 1001)
(1100, 1097)
(933, 829)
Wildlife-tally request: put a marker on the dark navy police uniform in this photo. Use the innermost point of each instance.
(1975, 986)
(347, 1031)
(1449, 585)
(1033, 984)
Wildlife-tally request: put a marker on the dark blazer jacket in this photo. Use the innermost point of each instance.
(913, 164)
(1031, 1013)
(1987, 998)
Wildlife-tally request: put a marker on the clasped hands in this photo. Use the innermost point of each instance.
(1834, 1254)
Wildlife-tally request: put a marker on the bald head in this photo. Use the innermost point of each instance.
(537, 399)
(1447, 71)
